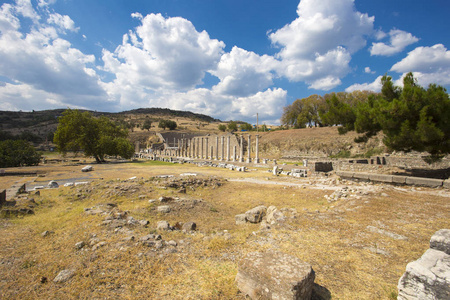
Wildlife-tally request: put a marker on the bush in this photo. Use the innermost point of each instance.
(17, 154)
(222, 127)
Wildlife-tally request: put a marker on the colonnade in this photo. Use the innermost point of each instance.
(213, 148)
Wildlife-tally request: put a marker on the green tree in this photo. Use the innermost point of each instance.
(411, 118)
(167, 124)
(232, 126)
(97, 137)
(222, 127)
(147, 124)
(291, 113)
(246, 127)
(18, 153)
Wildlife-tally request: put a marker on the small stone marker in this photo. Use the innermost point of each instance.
(53, 184)
(274, 275)
(87, 169)
(64, 275)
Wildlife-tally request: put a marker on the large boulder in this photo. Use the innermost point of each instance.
(256, 214)
(429, 276)
(426, 278)
(274, 275)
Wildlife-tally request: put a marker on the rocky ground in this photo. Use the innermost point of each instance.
(171, 231)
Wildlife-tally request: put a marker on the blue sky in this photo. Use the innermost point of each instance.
(227, 59)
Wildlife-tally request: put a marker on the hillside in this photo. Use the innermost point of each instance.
(43, 123)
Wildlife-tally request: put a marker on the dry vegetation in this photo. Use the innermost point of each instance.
(350, 261)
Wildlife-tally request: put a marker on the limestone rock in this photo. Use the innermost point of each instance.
(274, 216)
(240, 219)
(256, 214)
(189, 226)
(441, 241)
(80, 245)
(163, 225)
(274, 275)
(426, 278)
(163, 209)
(87, 169)
(64, 275)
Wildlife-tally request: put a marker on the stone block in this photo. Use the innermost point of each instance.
(428, 182)
(381, 178)
(441, 241)
(345, 174)
(426, 278)
(447, 184)
(399, 179)
(363, 176)
(274, 275)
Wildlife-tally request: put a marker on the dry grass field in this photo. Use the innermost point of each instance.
(351, 259)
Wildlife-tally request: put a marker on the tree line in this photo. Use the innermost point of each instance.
(411, 117)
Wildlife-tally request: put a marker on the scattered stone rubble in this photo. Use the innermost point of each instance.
(429, 277)
(120, 222)
(266, 216)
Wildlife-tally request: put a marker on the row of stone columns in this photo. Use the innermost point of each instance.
(198, 148)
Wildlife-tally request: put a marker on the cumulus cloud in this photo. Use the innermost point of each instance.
(243, 72)
(429, 65)
(63, 22)
(317, 46)
(163, 53)
(267, 103)
(40, 60)
(398, 39)
(373, 86)
(368, 70)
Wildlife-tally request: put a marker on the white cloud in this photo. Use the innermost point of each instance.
(25, 8)
(39, 60)
(424, 59)
(368, 70)
(163, 53)
(243, 73)
(399, 40)
(321, 40)
(267, 103)
(373, 86)
(429, 65)
(64, 22)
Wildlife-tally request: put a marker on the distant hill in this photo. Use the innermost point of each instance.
(171, 113)
(40, 125)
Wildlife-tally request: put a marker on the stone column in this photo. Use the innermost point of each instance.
(257, 150)
(241, 154)
(217, 148)
(201, 154)
(198, 147)
(234, 153)
(137, 147)
(249, 149)
(212, 153)
(222, 158)
(206, 147)
(228, 148)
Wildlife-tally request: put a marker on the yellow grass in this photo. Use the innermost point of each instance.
(332, 237)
